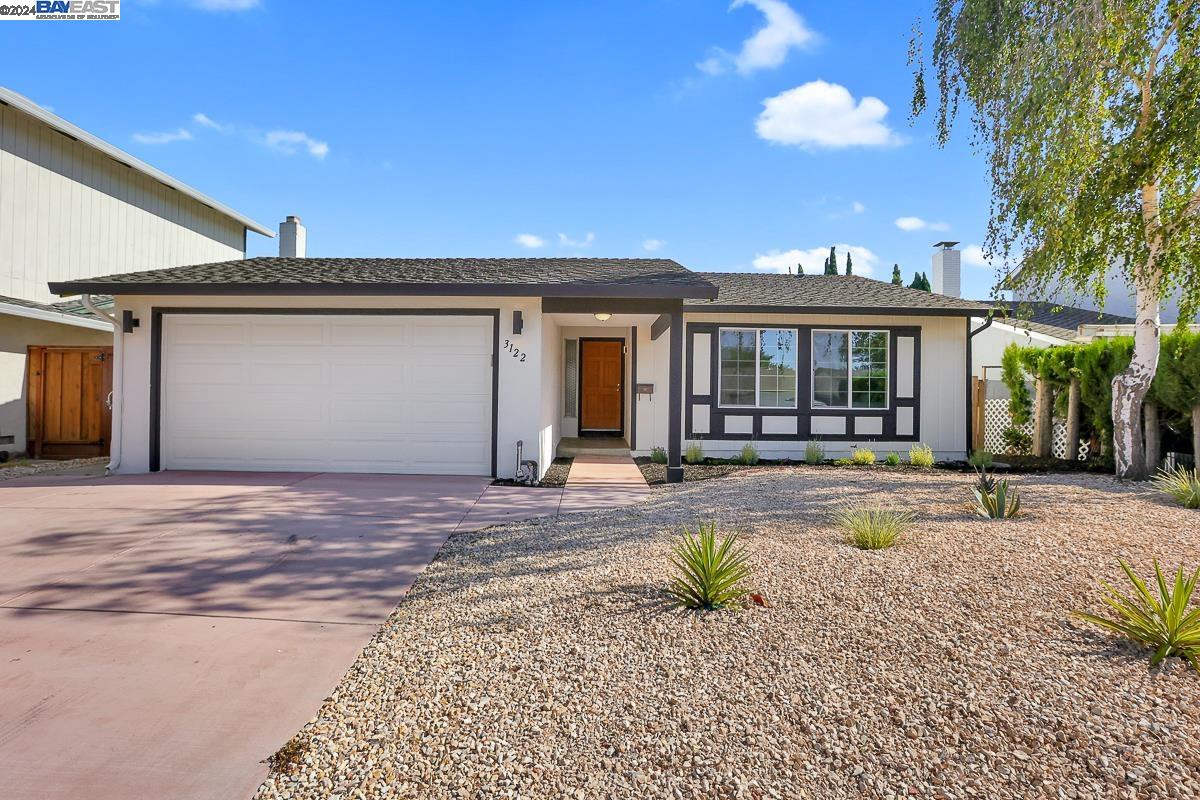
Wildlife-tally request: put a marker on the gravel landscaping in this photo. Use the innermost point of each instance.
(23, 468)
(540, 660)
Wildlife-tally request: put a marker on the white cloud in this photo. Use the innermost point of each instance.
(783, 31)
(529, 240)
(225, 5)
(653, 245)
(205, 121)
(825, 115)
(918, 224)
(974, 256)
(858, 207)
(291, 142)
(813, 260)
(166, 137)
(567, 241)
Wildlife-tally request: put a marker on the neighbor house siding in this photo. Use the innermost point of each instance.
(519, 391)
(68, 211)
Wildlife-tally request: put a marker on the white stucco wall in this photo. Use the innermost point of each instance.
(520, 394)
(550, 416)
(942, 399)
(988, 346)
(17, 334)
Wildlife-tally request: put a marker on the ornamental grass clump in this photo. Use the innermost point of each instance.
(1180, 483)
(872, 528)
(920, 455)
(749, 455)
(862, 456)
(814, 452)
(1161, 619)
(694, 453)
(658, 455)
(892, 460)
(709, 572)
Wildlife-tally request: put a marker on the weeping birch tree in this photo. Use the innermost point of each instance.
(1089, 114)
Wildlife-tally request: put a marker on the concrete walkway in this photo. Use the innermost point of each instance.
(594, 484)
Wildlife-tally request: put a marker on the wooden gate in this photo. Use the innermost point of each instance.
(67, 402)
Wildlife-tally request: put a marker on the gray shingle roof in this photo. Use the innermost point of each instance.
(618, 277)
(1056, 320)
(847, 294)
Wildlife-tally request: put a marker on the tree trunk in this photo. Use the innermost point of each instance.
(1196, 436)
(1073, 421)
(1130, 386)
(1153, 437)
(1043, 421)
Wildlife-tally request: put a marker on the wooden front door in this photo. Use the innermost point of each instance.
(601, 377)
(67, 402)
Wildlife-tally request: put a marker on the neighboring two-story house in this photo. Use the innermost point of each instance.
(72, 205)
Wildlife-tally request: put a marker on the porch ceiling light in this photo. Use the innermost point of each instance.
(602, 316)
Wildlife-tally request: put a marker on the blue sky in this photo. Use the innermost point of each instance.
(727, 137)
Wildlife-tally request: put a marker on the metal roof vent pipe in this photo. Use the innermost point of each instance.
(293, 238)
(947, 269)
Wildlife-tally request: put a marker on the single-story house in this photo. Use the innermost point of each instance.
(441, 366)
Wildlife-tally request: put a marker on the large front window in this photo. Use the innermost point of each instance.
(758, 367)
(850, 369)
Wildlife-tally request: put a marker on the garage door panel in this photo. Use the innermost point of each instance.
(328, 393)
(311, 334)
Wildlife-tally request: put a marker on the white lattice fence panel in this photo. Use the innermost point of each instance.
(996, 420)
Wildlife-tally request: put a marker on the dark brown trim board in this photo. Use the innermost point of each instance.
(156, 334)
(803, 411)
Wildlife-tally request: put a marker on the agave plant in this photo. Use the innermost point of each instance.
(983, 482)
(872, 528)
(709, 573)
(1163, 621)
(1181, 483)
(1003, 503)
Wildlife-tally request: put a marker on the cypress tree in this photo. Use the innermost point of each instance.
(896, 279)
(831, 262)
(849, 263)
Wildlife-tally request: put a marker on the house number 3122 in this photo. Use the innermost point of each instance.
(516, 351)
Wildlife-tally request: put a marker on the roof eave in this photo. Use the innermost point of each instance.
(891, 311)
(57, 317)
(654, 291)
(27, 106)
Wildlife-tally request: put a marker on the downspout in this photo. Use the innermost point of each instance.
(116, 401)
(987, 323)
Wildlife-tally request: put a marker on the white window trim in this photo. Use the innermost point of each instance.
(757, 375)
(812, 384)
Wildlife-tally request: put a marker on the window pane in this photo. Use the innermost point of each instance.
(830, 363)
(869, 368)
(737, 368)
(777, 368)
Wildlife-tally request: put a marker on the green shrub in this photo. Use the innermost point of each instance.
(872, 528)
(892, 460)
(658, 455)
(1163, 622)
(842, 462)
(814, 452)
(862, 456)
(709, 573)
(1017, 441)
(1001, 503)
(694, 454)
(980, 459)
(920, 455)
(1181, 484)
(749, 455)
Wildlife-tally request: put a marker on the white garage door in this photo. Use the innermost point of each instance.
(386, 393)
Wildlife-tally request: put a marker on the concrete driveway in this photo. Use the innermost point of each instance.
(161, 635)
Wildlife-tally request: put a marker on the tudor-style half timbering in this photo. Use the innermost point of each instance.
(790, 382)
